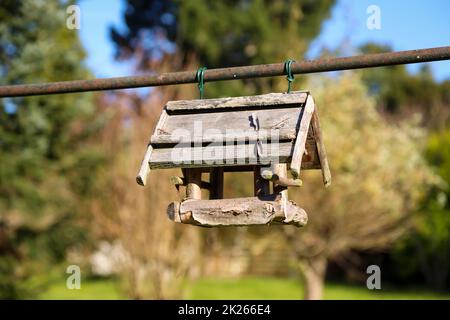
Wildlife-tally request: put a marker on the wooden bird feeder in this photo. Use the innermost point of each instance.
(268, 135)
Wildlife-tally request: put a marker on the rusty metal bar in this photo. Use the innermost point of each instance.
(266, 70)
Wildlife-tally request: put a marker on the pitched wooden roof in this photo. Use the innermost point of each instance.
(253, 130)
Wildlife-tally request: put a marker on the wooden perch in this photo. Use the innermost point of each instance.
(268, 174)
(181, 181)
(236, 212)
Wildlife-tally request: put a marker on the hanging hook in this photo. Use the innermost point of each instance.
(290, 77)
(200, 79)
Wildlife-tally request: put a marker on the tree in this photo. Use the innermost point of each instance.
(426, 249)
(157, 256)
(400, 94)
(219, 34)
(378, 174)
(45, 162)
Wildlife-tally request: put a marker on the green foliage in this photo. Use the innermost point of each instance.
(427, 248)
(378, 171)
(401, 93)
(438, 154)
(223, 33)
(44, 154)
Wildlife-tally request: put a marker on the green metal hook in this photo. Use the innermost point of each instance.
(200, 80)
(290, 77)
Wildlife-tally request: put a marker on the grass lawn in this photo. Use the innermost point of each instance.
(104, 289)
(282, 288)
(246, 288)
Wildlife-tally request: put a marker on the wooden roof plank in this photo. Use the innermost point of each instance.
(221, 122)
(144, 170)
(249, 135)
(271, 99)
(230, 155)
(299, 147)
(326, 174)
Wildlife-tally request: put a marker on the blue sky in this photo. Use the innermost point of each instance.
(405, 25)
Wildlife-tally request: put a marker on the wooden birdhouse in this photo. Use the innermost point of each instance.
(269, 135)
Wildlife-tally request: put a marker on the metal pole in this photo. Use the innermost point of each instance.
(266, 70)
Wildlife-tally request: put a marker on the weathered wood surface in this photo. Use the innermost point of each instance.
(236, 212)
(225, 122)
(194, 181)
(320, 149)
(216, 183)
(144, 170)
(269, 173)
(181, 181)
(261, 186)
(187, 136)
(243, 168)
(248, 135)
(271, 99)
(178, 181)
(231, 155)
(236, 168)
(280, 171)
(299, 147)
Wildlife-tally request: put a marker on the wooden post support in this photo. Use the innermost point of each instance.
(261, 185)
(216, 183)
(280, 170)
(194, 181)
